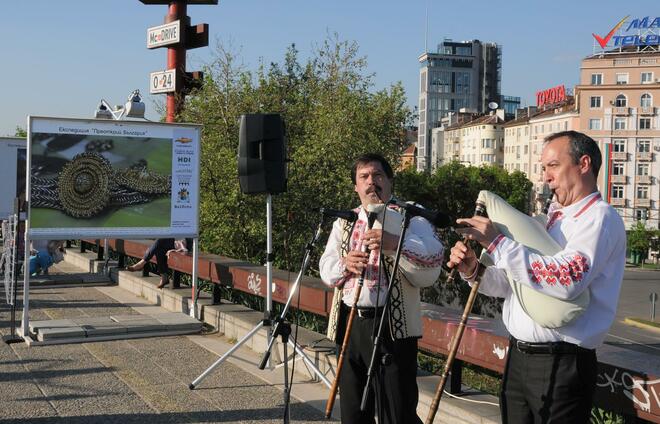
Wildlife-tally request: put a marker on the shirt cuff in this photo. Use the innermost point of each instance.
(470, 278)
(497, 247)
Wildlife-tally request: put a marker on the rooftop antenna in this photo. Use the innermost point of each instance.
(426, 31)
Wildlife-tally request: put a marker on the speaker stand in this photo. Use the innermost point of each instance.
(267, 320)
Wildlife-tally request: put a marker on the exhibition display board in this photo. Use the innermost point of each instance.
(115, 179)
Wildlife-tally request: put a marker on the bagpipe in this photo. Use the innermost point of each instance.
(545, 310)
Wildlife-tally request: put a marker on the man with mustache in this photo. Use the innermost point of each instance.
(341, 265)
(550, 374)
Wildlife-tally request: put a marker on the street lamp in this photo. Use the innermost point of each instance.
(133, 108)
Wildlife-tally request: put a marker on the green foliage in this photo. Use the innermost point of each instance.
(331, 117)
(453, 188)
(483, 379)
(600, 416)
(639, 238)
(20, 132)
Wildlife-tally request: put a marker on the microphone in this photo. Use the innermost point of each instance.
(438, 219)
(349, 216)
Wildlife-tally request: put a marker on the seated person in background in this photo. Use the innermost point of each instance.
(162, 249)
(43, 254)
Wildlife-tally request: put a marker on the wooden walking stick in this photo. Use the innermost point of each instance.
(479, 210)
(371, 218)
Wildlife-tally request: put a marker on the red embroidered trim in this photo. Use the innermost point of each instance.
(565, 274)
(555, 216)
(427, 261)
(493, 244)
(588, 205)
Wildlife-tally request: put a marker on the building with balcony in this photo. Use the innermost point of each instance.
(476, 142)
(619, 95)
(523, 141)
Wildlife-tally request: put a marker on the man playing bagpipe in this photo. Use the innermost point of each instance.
(550, 373)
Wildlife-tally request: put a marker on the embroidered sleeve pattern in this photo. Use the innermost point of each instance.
(422, 254)
(423, 261)
(422, 248)
(564, 275)
(571, 272)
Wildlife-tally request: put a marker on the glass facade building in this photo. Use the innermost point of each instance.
(461, 74)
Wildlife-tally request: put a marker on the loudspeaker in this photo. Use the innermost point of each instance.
(262, 154)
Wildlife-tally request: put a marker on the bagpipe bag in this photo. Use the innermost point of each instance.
(547, 311)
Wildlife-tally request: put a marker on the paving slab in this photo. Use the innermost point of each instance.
(143, 326)
(126, 381)
(46, 333)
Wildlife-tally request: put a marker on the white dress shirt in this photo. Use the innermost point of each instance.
(593, 240)
(420, 260)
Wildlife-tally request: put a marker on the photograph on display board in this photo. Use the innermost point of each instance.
(100, 181)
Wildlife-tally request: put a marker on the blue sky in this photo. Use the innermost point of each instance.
(59, 58)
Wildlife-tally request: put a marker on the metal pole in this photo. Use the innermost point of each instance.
(25, 320)
(176, 59)
(269, 256)
(193, 310)
(653, 298)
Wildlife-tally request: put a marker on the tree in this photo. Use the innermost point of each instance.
(453, 189)
(20, 132)
(331, 117)
(639, 240)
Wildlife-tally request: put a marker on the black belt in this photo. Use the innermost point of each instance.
(366, 312)
(547, 347)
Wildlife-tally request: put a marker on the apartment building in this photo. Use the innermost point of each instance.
(618, 92)
(476, 142)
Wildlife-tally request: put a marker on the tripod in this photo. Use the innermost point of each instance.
(267, 321)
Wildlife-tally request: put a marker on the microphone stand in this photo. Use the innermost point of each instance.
(279, 327)
(374, 352)
(283, 328)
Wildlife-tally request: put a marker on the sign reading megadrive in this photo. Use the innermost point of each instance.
(551, 95)
(98, 178)
(645, 36)
(164, 35)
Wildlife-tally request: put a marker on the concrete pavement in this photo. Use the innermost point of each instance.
(140, 380)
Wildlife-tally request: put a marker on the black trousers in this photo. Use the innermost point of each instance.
(548, 388)
(394, 392)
